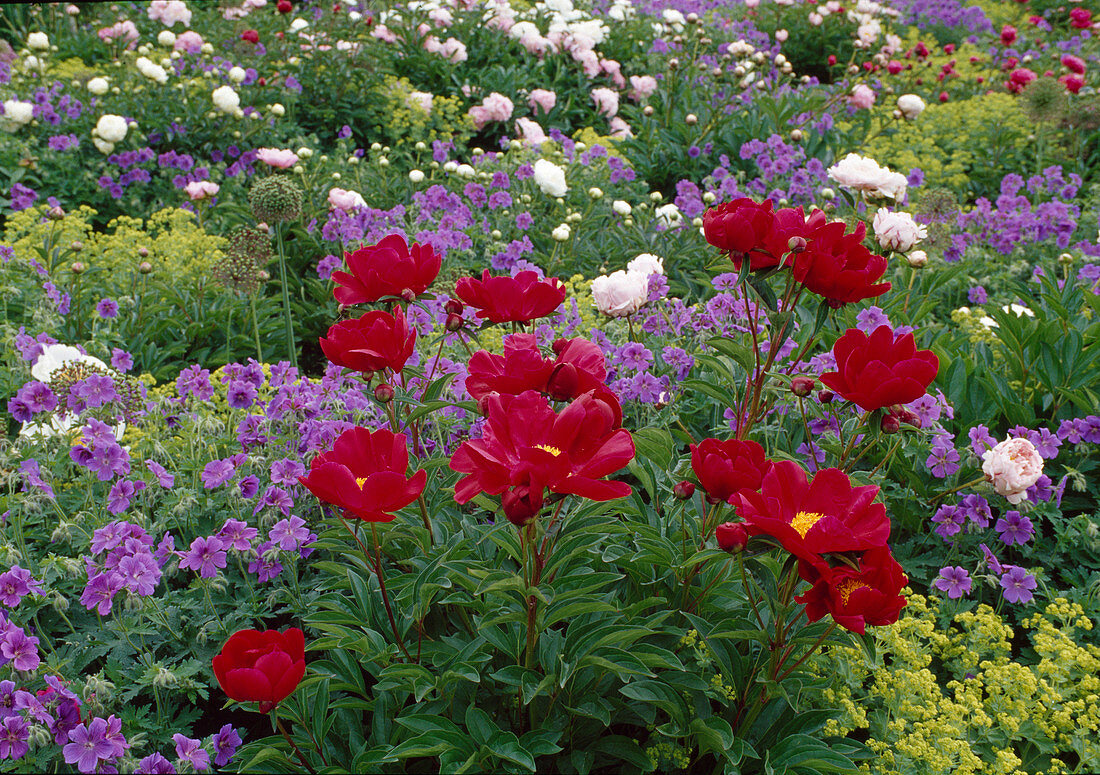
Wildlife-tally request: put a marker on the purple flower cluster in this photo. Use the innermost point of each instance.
(31, 399)
(100, 452)
(97, 742)
(15, 584)
(17, 647)
(129, 563)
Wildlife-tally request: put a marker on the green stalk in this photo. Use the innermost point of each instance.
(292, 350)
(256, 328)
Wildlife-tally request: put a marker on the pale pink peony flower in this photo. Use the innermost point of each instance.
(607, 101)
(280, 158)
(495, 107)
(642, 86)
(420, 99)
(383, 33)
(590, 62)
(199, 190)
(615, 71)
(543, 98)
(864, 174)
(1013, 466)
(342, 199)
(620, 129)
(530, 132)
(862, 97)
(124, 30)
(897, 231)
(620, 293)
(168, 12)
(189, 41)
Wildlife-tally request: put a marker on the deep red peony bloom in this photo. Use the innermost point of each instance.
(527, 448)
(263, 667)
(724, 468)
(880, 370)
(838, 266)
(284, 6)
(871, 595)
(739, 227)
(375, 341)
(364, 474)
(579, 368)
(518, 299)
(389, 268)
(250, 36)
(1080, 18)
(811, 518)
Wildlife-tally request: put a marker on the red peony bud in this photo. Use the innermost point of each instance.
(890, 424)
(384, 393)
(521, 504)
(825, 396)
(732, 536)
(803, 386)
(683, 490)
(454, 322)
(284, 6)
(453, 307)
(250, 36)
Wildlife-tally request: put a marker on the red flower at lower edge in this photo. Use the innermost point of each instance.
(838, 266)
(389, 268)
(263, 667)
(375, 341)
(724, 468)
(364, 474)
(812, 518)
(579, 368)
(518, 299)
(880, 370)
(855, 598)
(527, 447)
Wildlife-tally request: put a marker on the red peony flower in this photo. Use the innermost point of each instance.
(812, 518)
(1080, 18)
(1073, 83)
(527, 447)
(1008, 35)
(284, 6)
(871, 595)
(579, 368)
(724, 468)
(364, 474)
(880, 370)
(263, 667)
(250, 36)
(738, 227)
(838, 266)
(375, 341)
(518, 299)
(388, 268)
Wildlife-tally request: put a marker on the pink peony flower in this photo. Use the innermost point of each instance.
(277, 157)
(1073, 64)
(530, 132)
(189, 41)
(862, 98)
(345, 200)
(607, 101)
(124, 30)
(620, 128)
(642, 86)
(543, 98)
(495, 107)
(1013, 466)
(199, 190)
(168, 12)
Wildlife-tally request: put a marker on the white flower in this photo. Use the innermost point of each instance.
(98, 86)
(621, 207)
(150, 70)
(298, 24)
(111, 128)
(897, 231)
(669, 215)
(17, 112)
(38, 41)
(416, 176)
(166, 38)
(277, 109)
(647, 264)
(54, 356)
(561, 233)
(910, 105)
(237, 74)
(620, 293)
(103, 146)
(1013, 466)
(863, 174)
(226, 100)
(550, 178)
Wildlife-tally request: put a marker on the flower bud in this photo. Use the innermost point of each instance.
(673, 63)
(76, 246)
(691, 119)
(917, 259)
(454, 322)
(383, 393)
(143, 252)
(453, 307)
(683, 490)
(796, 244)
(732, 536)
(803, 386)
(145, 267)
(890, 424)
(521, 504)
(56, 213)
(796, 135)
(77, 267)
(825, 396)
(647, 110)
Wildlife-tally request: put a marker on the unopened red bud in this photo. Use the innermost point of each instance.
(890, 424)
(560, 344)
(732, 536)
(803, 386)
(454, 322)
(453, 307)
(76, 246)
(408, 294)
(909, 418)
(796, 244)
(521, 505)
(483, 404)
(145, 267)
(143, 252)
(383, 393)
(825, 396)
(77, 267)
(683, 490)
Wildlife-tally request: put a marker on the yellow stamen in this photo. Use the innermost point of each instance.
(361, 481)
(552, 450)
(804, 520)
(847, 587)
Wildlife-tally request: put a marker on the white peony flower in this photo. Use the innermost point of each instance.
(647, 264)
(620, 293)
(550, 178)
(98, 86)
(111, 128)
(561, 232)
(38, 41)
(237, 74)
(166, 38)
(226, 100)
(897, 231)
(910, 106)
(863, 174)
(669, 215)
(151, 70)
(54, 356)
(1013, 466)
(18, 113)
(621, 207)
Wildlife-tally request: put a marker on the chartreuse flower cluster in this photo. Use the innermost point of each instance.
(961, 701)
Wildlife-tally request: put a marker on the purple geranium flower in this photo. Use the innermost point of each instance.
(20, 649)
(954, 581)
(15, 584)
(1017, 584)
(226, 741)
(88, 745)
(217, 472)
(164, 479)
(14, 732)
(289, 533)
(1014, 528)
(155, 764)
(191, 751)
(237, 534)
(107, 308)
(206, 556)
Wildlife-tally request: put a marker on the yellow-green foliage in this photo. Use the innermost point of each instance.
(949, 141)
(590, 137)
(174, 242)
(69, 69)
(409, 123)
(956, 701)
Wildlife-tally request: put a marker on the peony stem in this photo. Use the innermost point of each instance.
(807, 655)
(297, 750)
(292, 349)
(424, 516)
(256, 329)
(971, 483)
(385, 595)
